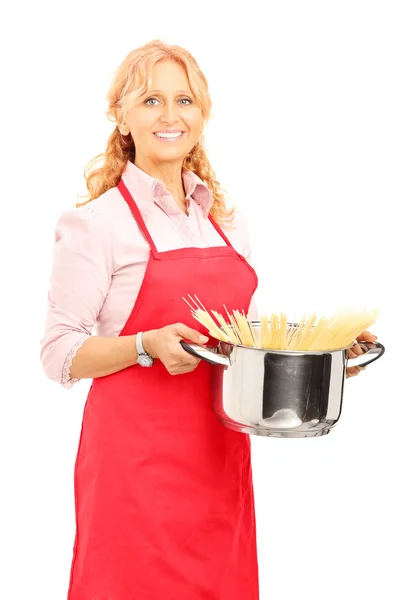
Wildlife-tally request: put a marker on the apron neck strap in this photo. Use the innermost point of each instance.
(219, 230)
(136, 213)
(139, 219)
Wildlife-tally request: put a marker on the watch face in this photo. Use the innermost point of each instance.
(145, 361)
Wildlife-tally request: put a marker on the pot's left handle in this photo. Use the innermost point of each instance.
(205, 354)
(373, 351)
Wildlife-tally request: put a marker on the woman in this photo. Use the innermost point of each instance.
(163, 492)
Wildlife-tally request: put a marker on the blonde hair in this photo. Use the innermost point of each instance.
(131, 79)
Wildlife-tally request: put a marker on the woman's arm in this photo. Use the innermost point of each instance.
(81, 274)
(100, 356)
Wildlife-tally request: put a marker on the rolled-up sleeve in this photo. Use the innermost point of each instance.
(81, 273)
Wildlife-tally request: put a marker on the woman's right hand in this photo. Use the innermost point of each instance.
(164, 344)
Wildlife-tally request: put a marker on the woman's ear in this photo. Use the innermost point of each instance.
(124, 130)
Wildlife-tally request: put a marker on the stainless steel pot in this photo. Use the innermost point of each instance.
(280, 393)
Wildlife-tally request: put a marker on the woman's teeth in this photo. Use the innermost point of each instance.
(169, 135)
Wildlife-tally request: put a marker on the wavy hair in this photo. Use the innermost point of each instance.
(130, 80)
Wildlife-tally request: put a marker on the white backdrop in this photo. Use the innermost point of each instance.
(305, 137)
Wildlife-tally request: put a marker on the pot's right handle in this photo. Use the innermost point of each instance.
(205, 354)
(373, 351)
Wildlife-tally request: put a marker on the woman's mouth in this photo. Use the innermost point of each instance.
(165, 136)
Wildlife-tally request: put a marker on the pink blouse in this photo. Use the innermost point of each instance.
(100, 257)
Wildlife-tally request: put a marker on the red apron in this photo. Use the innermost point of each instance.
(163, 491)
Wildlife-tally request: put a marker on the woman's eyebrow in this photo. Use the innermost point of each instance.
(162, 92)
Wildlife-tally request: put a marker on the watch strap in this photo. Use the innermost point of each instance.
(139, 346)
(139, 343)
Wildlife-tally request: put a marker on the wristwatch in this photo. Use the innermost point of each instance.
(144, 359)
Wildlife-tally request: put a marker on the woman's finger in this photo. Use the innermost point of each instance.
(366, 336)
(357, 350)
(353, 371)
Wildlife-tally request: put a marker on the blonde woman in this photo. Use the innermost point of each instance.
(163, 491)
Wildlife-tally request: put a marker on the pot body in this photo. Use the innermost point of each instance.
(280, 393)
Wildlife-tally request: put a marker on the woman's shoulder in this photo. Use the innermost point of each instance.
(96, 214)
(236, 223)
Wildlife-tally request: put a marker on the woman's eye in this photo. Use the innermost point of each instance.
(182, 99)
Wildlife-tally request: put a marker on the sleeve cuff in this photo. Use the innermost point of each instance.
(66, 381)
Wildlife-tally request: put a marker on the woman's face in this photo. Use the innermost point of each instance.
(168, 106)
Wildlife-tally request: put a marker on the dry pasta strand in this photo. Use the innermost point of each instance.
(333, 332)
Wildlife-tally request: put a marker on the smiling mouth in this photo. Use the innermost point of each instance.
(176, 135)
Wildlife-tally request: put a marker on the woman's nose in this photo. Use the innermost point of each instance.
(170, 113)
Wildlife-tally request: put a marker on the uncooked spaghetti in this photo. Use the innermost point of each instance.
(277, 333)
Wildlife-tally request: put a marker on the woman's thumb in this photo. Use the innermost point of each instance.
(192, 334)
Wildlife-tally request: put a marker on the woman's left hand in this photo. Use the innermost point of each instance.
(365, 336)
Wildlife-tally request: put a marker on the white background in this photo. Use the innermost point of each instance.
(305, 137)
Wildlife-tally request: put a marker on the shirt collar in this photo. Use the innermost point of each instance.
(151, 189)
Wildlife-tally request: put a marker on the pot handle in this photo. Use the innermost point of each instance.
(206, 354)
(373, 351)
